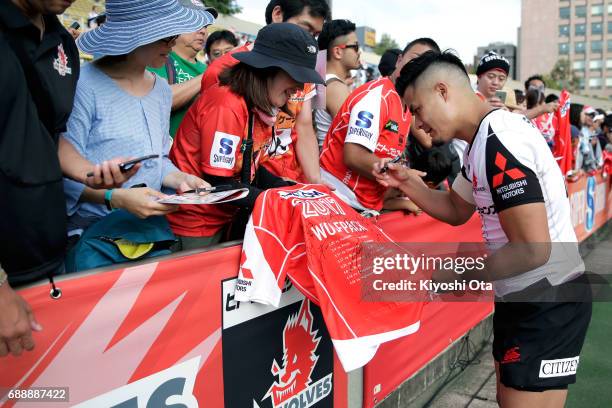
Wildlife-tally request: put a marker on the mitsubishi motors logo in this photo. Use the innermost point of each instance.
(293, 387)
(501, 162)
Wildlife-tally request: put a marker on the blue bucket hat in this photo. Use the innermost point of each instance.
(132, 24)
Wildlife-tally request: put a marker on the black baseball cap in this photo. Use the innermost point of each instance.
(286, 46)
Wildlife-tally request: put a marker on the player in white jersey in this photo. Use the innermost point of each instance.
(511, 178)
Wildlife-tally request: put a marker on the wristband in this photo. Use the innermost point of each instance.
(108, 196)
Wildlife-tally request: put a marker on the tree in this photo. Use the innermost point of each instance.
(562, 76)
(227, 7)
(385, 43)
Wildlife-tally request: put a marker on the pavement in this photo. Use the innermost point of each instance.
(474, 386)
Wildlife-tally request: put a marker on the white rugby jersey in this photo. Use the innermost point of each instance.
(510, 164)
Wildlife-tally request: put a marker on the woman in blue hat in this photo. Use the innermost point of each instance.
(121, 109)
(224, 134)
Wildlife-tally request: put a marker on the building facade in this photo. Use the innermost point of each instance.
(578, 30)
(507, 51)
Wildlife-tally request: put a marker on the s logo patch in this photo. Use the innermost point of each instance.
(223, 152)
(226, 146)
(365, 119)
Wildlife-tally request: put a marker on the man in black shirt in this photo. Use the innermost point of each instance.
(38, 76)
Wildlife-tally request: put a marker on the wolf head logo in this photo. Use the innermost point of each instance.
(299, 358)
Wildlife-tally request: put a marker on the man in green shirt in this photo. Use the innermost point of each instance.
(183, 71)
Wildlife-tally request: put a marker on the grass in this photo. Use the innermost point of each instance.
(593, 388)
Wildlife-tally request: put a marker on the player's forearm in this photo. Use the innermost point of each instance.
(437, 204)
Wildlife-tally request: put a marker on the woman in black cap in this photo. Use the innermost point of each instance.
(224, 132)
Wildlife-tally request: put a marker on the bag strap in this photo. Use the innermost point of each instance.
(247, 151)
(34, 83)
(170, 70)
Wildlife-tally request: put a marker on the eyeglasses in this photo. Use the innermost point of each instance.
(218, 53)
(353, 46)
(168, 40)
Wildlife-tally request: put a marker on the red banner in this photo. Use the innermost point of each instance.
(171, 329)
(563, 134)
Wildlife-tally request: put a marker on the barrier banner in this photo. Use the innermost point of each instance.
(591, 204)
(293, 359)
(168, 332)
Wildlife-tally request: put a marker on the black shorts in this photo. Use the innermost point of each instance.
(538, 344)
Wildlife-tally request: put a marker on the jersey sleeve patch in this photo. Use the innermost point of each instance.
(364, 124)
(224, 150)
(511, 182)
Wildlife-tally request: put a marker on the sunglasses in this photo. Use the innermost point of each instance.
(168, 40)
(353, 46)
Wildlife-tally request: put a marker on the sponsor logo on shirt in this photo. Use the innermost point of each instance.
(293, 387)
(559, 368)
(363, 122)
(475, 184)
(311, 194)
(392, 126)
(60, 64)
(512, 355)
(223, 152)
(365, 119)
(500, 163)
(490, 210)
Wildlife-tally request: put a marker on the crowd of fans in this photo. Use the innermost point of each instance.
(246, 116)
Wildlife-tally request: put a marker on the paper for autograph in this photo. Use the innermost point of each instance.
(210, 198)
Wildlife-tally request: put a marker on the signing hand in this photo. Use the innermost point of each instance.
(398, 176)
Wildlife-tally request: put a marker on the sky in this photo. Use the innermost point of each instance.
(462, 25)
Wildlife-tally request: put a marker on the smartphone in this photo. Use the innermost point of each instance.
(501, 95)
(127, 166)
(75, 25)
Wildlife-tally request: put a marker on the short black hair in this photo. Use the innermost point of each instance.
(423, 41)
(436, 162)
(551, 98)
(332, 30)
(415, 68)
(608, 121)
(220, 35)
(388, 61)
(292, 8)
(575, 110)
(533, 78)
